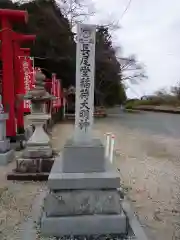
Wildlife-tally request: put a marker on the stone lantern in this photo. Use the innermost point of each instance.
(38, 146)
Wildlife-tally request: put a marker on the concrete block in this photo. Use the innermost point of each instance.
(88, 157)
(84, 225)
(133, 222)
(82, 202)
(4, 146)
(58, 180)
(4, 116)
(7, 157)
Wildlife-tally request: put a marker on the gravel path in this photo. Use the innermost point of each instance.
(150, 171)
(17, 198)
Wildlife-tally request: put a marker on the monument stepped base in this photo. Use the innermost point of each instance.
(83, 212)
(29, 228)
(83, 203)
(33, 152)
(84, 225)
(58, 180)
(6, 157)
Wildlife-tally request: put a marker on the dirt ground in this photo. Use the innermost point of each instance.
(150, 171)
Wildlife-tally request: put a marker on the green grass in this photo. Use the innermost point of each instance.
(155, 101)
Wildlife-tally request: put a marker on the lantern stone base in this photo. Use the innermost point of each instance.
(7, 157)
(34, 152)
(16, 176)
(34, 165)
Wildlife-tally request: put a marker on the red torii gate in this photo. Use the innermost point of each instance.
(8, 16)
(25, 51)
(18, 39)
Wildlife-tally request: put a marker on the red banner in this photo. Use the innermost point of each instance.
(26, 79)
(59, 93)
(54, 89)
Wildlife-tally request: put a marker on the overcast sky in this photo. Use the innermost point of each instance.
(151, 30)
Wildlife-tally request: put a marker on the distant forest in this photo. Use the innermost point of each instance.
(55, 49)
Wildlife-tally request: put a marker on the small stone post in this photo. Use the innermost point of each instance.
(6, 153)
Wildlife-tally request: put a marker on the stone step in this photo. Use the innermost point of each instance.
(84, 225)
(79, 202)
(58, 180)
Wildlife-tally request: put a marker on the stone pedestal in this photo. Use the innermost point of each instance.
(83, 157)
(83, 202)
(38, 147)
(6, 153)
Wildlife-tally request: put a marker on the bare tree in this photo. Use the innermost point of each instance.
(76, 10)
(80, 10)
(132, 70)
(110, 22)
(176, 90)
(161, 92)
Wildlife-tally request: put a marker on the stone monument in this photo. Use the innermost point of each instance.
(6, 153)
(38, 148)
(83, 197)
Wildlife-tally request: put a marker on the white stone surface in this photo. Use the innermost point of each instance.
(82, 202)
(84, 225)
(3, 118)
(39, 137)
(85, 64)
(6, 157)
(58, 180)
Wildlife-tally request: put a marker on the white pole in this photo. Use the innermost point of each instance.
(64, 108)
(107, 144)
(111, 148)
(32, 58)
